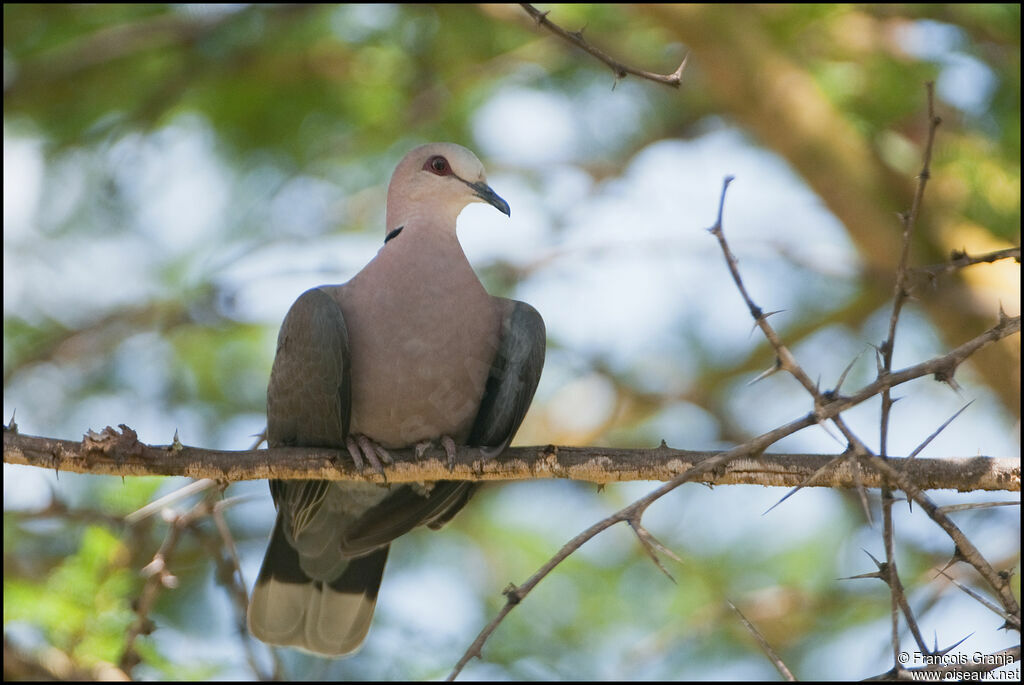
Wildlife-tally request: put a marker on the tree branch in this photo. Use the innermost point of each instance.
(618, 68)
(128, 457)
(959, 259)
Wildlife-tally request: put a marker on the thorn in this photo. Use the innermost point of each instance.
(842, 376)
(823, 425)
(879, 362)
(878, 563)
(862, 495)
(953, 646)
(862, 576)
(953, 508)
(1014, 621)
(652, 546)
(946, 376)
(954, 559)
(807, 481)
(764, 374)
(938, 430)
(677, 75)
(789, 494)
(511, 593)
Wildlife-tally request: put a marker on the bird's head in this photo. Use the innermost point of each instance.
(438, 180)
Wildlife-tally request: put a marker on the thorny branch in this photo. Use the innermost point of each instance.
(959, 259)
(592, 464)
(900, 293)
(618, 68)
(965, 548)
(824, 403)
(776, 660)
(159, 576)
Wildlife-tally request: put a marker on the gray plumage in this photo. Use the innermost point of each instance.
(412, 349)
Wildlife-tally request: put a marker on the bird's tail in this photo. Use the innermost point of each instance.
(291, 609)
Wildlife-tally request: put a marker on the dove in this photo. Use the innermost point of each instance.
(412, 351)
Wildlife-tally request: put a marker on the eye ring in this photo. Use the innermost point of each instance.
(438, 165)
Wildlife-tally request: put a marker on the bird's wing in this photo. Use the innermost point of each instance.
(513, 379)
(308, 594)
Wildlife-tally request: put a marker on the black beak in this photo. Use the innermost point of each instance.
(485, 193)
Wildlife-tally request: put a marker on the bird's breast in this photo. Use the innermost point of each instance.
(421, 351)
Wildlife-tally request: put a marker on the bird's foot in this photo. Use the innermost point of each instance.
(449, 449)
(446, 442)
(365, 451)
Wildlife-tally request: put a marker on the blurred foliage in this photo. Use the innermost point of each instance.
(301, 111)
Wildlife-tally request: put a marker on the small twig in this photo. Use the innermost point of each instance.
(909, 222)
(618, 68)
(970, 506)
(162, 503)
(229, 574)
(652, 546)
(158, 578)
(900, 293)
(898, 595)
(779, 664)
(959, 259)
(999, 611)
(784, 358)
(514, 595)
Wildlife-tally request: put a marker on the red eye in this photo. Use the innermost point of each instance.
(438, 165)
